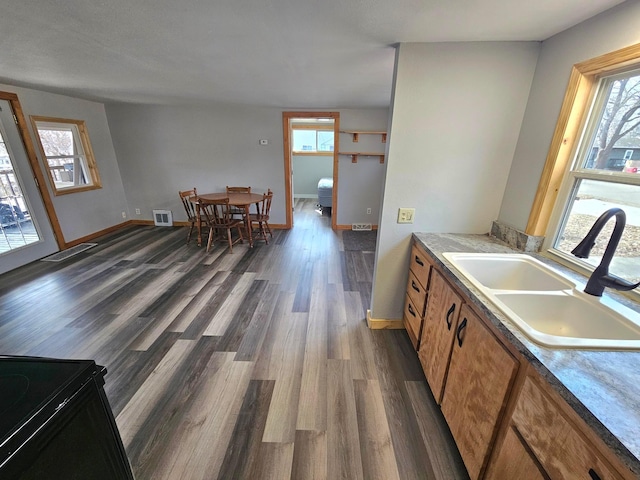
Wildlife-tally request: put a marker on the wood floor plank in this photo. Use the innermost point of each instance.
(225, 314)
(242, 451)
(443, 455)
(337, 323)
(197, 449)
(254, 335)
(310, 456)
(312, 406)
(285, 367)
(376, 446)
(361, 348)
(344, 459)
(274, 461)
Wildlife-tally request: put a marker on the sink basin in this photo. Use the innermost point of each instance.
(572, 319)
(509, 271)
(546, 306)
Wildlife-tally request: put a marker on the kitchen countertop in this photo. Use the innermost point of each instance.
(603, 387)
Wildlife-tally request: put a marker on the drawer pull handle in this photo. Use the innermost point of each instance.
(593, 474)
(419, 262)
(461, 327)
(410, 308)
(448, 317)
(414, 286)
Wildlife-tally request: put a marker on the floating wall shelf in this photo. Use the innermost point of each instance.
(356, 133)
(355, 155)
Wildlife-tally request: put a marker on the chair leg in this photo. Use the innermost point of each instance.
(229, 238)
(263, 232)
(189, 234)
(268, 229)
(210, 239)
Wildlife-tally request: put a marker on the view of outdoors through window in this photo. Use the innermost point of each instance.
(309, 140)
(64, 154)
(606, 174)
(16, 225)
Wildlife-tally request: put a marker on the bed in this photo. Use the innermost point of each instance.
(325, 192)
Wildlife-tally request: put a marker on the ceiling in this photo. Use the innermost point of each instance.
(282, 53)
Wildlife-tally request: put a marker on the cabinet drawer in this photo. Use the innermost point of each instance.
(412, 321)
(420, 266)
(417, 293)
(559, 447)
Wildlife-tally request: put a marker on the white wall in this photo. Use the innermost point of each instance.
(360, 185)
(455, 118)
(163, 149)
(81, 213)
(307, 170)
(607, 32)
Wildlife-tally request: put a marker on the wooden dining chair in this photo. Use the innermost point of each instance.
(190, 208)
(237, 212)
(217, 216)
(262, 217)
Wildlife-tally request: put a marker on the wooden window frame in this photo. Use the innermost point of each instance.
(571, 122)
(83, 137)
(316, 127)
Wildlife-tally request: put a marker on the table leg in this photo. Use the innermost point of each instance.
(199, 224)
(247, 222)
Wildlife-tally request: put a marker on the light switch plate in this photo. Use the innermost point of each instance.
(405, 215)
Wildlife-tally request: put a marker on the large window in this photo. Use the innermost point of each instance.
(605, 173)
(312, 140)
(67, 154)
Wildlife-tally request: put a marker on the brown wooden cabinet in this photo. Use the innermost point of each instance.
(507, 421)
(416, 296)
(440, 323)
(555, 440)
(481, 374)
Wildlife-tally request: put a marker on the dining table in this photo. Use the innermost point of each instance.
(241, 200)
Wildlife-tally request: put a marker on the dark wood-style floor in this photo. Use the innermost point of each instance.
(252, 365)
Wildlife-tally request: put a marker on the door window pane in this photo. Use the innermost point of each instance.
(16, 226)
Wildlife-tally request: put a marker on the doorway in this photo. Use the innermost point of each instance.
(288, 121)
(26, 233)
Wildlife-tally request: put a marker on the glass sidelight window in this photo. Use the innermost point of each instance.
(67, 154)
(16, 225)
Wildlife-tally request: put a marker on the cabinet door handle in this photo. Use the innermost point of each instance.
(414, 286)
(419, 262)
(410, 308)
(593, 474)
(461, 327)
(448, 317)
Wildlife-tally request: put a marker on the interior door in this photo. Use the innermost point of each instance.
(29, 232)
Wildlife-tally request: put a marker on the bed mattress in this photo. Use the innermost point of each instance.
(325, 192)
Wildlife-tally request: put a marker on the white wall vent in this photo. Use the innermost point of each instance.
(163, 218)
(359, 227)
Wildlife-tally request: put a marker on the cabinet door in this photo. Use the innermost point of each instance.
(439, 327)
(559, 447)
(480, 377)
(515, 460)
